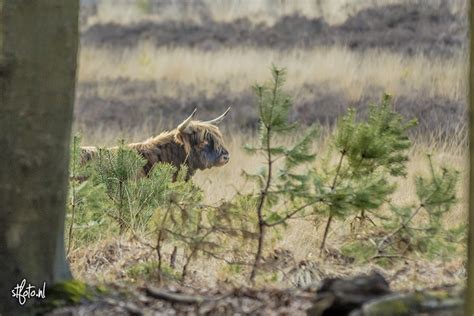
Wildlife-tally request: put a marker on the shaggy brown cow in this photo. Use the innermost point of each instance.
(196, 144)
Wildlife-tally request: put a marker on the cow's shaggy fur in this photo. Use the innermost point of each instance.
(180, 148)
(190, 148)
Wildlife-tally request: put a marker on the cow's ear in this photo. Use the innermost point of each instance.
(184, 139)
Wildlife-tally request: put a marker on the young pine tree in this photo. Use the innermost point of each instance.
(85, 219)
(370, 151)
(420, 226)
(133, 197)
(283, 182)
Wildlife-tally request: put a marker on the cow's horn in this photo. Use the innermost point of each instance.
(219, 119)
(182, 127)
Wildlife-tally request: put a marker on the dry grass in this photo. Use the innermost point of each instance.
(258, 11)
(336, 68)
(110, 260)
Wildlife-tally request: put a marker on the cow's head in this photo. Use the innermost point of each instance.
(203, 142)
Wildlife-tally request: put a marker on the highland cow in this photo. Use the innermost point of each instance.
(196, 144)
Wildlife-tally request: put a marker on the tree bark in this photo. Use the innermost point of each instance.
(38, 49)
(469, 304)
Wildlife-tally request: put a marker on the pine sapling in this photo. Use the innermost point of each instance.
(370, 151)
(436, 196)
(274, 107)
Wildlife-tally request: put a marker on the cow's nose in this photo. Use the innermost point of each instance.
(225, 156)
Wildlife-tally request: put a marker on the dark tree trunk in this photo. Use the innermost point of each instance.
(38, 48)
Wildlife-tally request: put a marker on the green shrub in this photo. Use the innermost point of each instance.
(85, 220)
(133, 197)
(436, 196)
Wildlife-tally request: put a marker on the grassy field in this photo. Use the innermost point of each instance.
(235, 70)
(187, 76)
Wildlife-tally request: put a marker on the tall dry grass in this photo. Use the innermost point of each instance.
(335, 68)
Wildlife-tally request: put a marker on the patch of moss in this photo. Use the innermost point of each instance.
(67, 293)
(70, 292)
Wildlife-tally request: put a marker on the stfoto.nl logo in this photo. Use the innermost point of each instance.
(23, 292)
